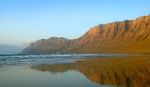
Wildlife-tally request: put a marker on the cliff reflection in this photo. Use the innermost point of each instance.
(128, 72)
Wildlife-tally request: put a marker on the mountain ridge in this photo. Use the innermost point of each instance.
(129, 36)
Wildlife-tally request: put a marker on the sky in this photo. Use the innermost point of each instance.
(25, 21)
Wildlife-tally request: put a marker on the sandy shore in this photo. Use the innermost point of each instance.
(130, 71)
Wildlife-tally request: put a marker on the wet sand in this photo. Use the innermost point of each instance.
(130, 71)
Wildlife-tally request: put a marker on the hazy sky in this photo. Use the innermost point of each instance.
(24, 21)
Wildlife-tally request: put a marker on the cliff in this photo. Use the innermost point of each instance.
(129, 36)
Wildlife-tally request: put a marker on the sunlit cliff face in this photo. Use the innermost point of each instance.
(129, 36)
(128, 72)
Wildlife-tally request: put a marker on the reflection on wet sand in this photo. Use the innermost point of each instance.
(128, 72)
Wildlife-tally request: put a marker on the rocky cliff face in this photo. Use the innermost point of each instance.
(51, 45)
(125, 37)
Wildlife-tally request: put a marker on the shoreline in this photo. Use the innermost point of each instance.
(130, 71)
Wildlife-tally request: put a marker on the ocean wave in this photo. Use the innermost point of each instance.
(17, 60)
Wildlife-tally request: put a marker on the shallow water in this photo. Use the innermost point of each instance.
(28, 71)
(26, 77)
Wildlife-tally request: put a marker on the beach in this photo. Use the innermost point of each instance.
(130, 70)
